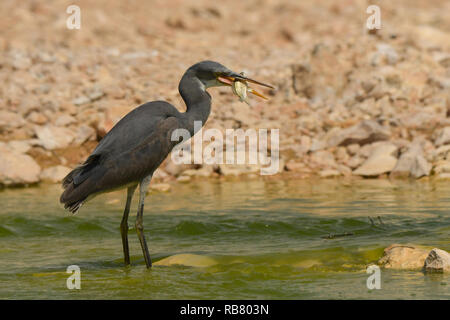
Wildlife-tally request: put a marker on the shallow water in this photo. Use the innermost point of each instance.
(248, 240)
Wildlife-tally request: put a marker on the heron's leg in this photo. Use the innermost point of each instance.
(124, 224)
(140, 219)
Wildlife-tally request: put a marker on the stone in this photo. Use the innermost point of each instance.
(17, 169)
(441, 152)
(19, 146)
(52, 137)
(329, 173)
(324, 159)
(407, 257)
(344, 170)
(235, 170)
(10, 120)
(443, 176)
(292, 165)
(381, 160)
(342, 155)
(353, 148)
(385, 53)
(159, 174)
(428, 37)
(64, 120)
(247, 168)
(54, 174)
(367, 131)
(411, 163)
(443, 137)
(37, 118)
(441, 166)
(437, 261)
(112, 116)
(175, 169)
(317, 145)
(206, 171)
(354, 162)
(84, 133)
(78, 101)
(95, 93)
(184, 179)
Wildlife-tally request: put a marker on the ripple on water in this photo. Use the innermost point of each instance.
(251, 240)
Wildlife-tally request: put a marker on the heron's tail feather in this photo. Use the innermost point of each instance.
(80, 173)
(74, 207)
(75, 191)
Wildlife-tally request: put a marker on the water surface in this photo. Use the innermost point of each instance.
(250, 240)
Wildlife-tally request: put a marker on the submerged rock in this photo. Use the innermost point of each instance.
(187, 259)
(437, 261)
(398, 256)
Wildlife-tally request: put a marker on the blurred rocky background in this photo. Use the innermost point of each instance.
(348, 103)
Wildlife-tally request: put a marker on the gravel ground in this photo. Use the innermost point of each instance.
(348, 102)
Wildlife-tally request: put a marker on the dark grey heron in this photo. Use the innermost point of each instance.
(135, 147)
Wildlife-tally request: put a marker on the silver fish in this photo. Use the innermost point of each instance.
(240, 88)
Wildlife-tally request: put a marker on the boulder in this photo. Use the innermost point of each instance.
(412, 163)
(437, 261)
(52, 137)
(367, 131)
(17, 169)
(398, 256)
(381, 160)
(54, 174)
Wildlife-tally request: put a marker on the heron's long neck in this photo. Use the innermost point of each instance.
(198, 101)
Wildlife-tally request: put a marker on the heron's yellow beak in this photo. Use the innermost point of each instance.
(229, 80)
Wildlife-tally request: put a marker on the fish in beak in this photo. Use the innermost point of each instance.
(239, 85)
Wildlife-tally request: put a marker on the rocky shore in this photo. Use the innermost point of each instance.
(348, 103)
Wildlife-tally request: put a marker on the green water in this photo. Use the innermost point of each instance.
(261, 240)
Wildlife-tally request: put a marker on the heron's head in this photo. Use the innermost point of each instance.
(213, 74)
